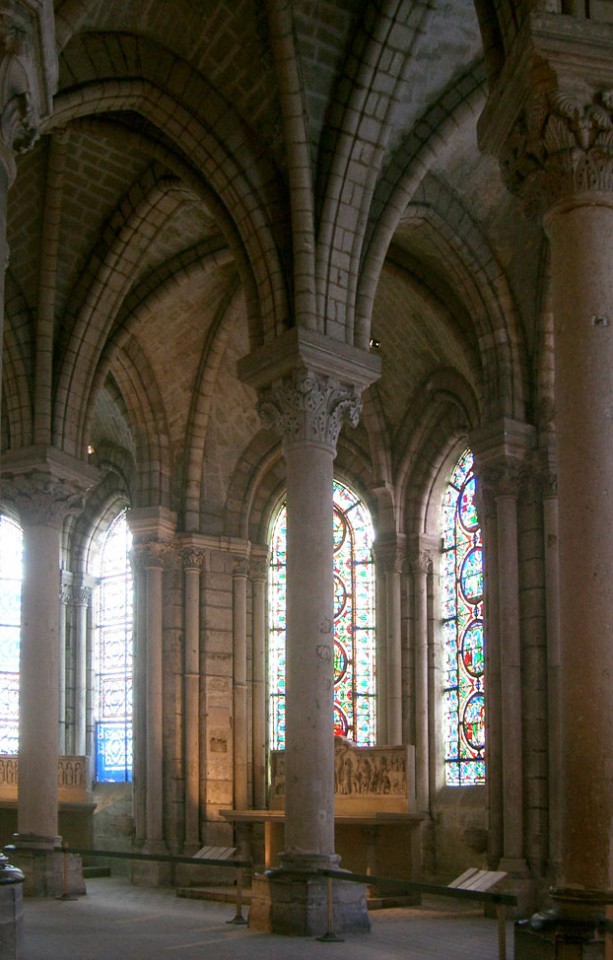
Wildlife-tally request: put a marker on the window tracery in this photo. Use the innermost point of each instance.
(114, 655)
(11, 575)
(354, 621)
(463, 629)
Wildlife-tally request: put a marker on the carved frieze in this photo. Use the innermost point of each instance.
(72, 778)
(364, 777)
(307, 407)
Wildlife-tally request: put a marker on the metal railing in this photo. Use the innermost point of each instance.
(499, 899)
(65, 851)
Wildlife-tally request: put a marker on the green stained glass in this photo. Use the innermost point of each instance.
(11, 572)
(354, 621)
(463, 633)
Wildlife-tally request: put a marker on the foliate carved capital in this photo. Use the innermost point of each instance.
(389, 557)
(192, 558)
(240, 567)
(81, 595)
(560, 146)
(502, 480)
(258, 568)
(308, 407)
(544, 474)
(150, 553)
(421, 562)
(41, 499)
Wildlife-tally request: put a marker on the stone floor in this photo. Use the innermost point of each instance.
(117, 920)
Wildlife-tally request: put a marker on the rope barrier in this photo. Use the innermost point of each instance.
(150, 857)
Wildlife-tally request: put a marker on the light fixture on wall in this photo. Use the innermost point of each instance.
(374, 344)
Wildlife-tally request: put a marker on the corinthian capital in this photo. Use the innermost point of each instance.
(41, 499)
(560, 146)
(151, 553)
(549, 118)
(308, 407)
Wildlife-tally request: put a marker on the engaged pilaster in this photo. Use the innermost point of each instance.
(390, 556)
(153, 545)
(193, 559)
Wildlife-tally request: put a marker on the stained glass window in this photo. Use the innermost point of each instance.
(113, 656)
(11, 548)
(463, 633)
(354, 622)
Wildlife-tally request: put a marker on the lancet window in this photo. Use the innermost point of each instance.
(11, 574)
(113, 655)
(463, 629)
(354, 621)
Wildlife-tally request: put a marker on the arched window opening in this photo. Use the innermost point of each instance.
(11, 575)
(113, 655)
(354, 621)
(463, 630)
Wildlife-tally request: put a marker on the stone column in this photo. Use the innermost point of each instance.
(192, 567)
(65, 598)
(239, 680)
(390, 558)
(152, 530)
(549, 490)
(550, 125)
(82, 594)
(421, 564)
(44, 488)
(500, 450)
(258, 574)
(305, 410)
(28, 63)
(307, 386)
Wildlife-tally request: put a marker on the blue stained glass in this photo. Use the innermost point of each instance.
(11, 572)
(114, 656)
(113, 752)
(463, 635)
(354, 623)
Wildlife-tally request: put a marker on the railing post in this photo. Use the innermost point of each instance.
(238, 919)
(330, 936)
(11, 910)
(501, 913)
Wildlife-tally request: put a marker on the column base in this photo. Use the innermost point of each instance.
(11, 911)
(48, 872)
(575, 928)
(149, 873)
(296, 904)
